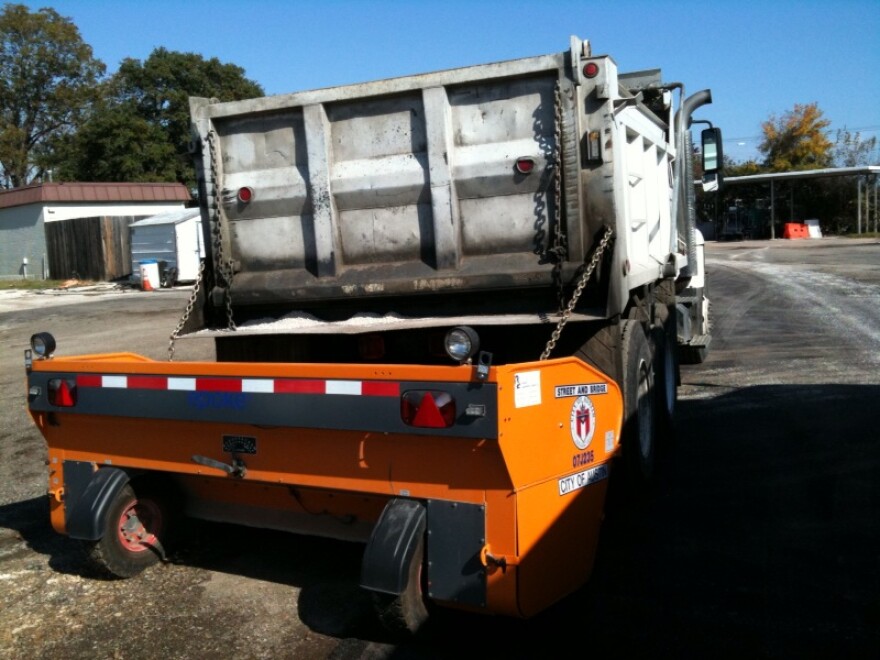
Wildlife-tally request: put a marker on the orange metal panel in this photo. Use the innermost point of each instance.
(460, 469)
(538, 425)
(557, 420)
(558, 536)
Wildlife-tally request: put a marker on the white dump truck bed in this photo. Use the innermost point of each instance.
(435, 183)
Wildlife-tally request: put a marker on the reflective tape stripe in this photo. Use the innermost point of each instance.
(218, 384)
(350, 387)
(264, 386)
(88, 380)
(148, 382)
(184, 384)
(380, 388)
(247, 385)
(290, 386)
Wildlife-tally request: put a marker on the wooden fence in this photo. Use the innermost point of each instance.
(97, 249)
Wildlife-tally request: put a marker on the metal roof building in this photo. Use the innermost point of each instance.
(62, 229)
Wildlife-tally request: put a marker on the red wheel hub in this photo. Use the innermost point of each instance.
(137, 526)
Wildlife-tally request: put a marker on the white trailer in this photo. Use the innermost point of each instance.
(174, 238)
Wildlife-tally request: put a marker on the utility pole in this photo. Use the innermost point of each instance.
(875, 204)
(772, 210)
(859, 205)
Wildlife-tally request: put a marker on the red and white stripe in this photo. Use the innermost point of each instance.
(246, 385)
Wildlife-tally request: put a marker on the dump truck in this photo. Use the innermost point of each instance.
(448, 310)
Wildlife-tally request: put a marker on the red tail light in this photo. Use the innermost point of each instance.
(525, 165)
(591, 70)
(62, 392)
(245, 194)
(428, 409)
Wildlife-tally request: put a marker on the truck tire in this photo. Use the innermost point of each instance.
(135, 529)
(665, 379)
(404, 614)
(602, 350)
(639, 406)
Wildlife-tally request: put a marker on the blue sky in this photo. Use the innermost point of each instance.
(758, 58)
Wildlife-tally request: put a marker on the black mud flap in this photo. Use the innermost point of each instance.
(391, 546)
(88, 494)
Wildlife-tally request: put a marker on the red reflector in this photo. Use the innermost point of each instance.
(591, 69)
(525, 165)
(245, 194)
(433, 410)
(62, 392)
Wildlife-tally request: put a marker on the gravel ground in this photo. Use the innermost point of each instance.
(761, 538)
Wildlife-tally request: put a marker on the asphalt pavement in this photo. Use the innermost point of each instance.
(759, 539)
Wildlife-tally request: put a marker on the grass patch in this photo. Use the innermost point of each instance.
(864, 234)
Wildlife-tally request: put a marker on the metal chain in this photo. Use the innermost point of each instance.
(225, 269)
(560, 243)
(186, 312)
(569, 309)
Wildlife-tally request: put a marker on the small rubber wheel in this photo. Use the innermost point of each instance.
(639, 401)
(404, 615)
(134, 530)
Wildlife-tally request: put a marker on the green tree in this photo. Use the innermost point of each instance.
(796, 140)
(117, 144)
(142, 131)
(48, 80)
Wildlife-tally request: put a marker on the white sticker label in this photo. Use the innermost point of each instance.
(586, 389)
(609, 442)
(527, 389)
(582, 479)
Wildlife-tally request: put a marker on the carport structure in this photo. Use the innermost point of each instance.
(864, 174)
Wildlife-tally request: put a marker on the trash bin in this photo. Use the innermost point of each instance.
(149, 275)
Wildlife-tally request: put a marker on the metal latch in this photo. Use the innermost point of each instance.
(236, 469)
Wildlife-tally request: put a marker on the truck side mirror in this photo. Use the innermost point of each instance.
(713, 159)
(713, 155)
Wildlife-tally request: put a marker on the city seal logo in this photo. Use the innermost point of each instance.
(583, 422)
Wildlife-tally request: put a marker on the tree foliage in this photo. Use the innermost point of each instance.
(851, 150)
(116, 144)
(142, 130)
(48, 80)
(796, 140)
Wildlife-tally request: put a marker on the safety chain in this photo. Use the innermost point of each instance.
(225, 270)
(569, 309)
(186, 312)
(559, 250)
